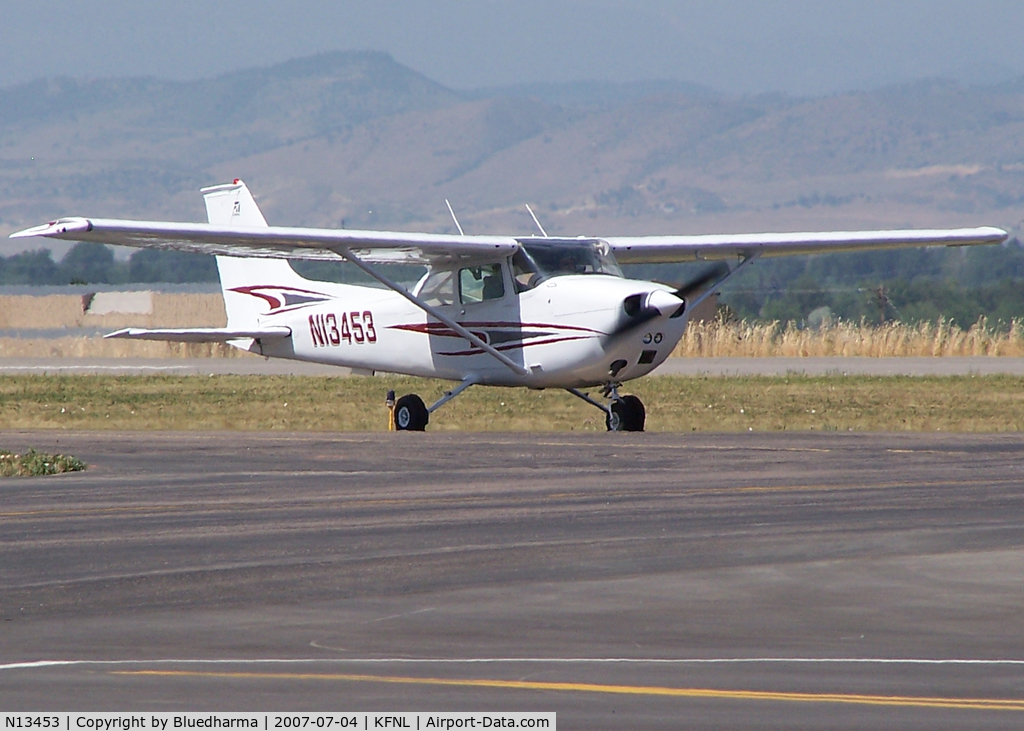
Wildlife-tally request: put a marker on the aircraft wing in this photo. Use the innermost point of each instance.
(276, 242)
(279, 242)
(200, 334)
(664, 249)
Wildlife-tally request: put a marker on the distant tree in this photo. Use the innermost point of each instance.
(89, 263)
(176, 267)
(976, 266)
(31, 267)
(345, 273)
(797, 301)
(919, 284)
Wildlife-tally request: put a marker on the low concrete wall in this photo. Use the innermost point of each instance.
(51, 316)
(111, 310)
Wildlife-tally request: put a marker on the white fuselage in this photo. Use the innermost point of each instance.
(558, 331)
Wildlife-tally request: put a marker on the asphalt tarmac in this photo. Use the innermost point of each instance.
(625, 581)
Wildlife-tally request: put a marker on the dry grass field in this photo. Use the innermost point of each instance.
(83, 347)
(711, 338)
(674, 404)
(773, 339)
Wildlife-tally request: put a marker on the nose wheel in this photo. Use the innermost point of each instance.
(624, 413)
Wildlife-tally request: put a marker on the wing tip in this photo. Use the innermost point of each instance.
(55, 229)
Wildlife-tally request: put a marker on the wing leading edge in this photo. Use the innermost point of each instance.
(276, 242)
(664, 249)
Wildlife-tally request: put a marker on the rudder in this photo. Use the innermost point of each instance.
(232, 205)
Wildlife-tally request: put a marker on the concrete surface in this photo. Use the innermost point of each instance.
(625, 581)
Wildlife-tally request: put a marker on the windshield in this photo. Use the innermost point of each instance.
(536, 261)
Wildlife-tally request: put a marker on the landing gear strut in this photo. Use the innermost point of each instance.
(624, 413)
(409, 413)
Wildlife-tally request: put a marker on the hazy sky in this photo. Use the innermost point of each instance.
(795, 46)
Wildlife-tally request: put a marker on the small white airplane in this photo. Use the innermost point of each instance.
(536, 311)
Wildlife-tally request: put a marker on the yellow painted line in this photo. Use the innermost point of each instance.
(91, 511)
(354, 504)
(469, 500)
(989, 704)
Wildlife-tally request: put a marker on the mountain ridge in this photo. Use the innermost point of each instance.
(356, 137)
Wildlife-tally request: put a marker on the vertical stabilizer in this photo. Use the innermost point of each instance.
(232, 205)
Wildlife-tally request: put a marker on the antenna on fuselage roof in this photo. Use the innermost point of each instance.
(457, 225)
(542, 231)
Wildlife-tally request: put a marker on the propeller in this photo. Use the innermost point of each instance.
(710, 274)
(644, 307)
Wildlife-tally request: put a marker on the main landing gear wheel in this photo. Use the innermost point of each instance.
(411, 414)
(627, 414)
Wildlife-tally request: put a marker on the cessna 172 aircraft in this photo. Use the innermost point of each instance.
(537, 311)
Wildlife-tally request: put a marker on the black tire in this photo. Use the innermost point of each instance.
(411, 414)
(628, 414)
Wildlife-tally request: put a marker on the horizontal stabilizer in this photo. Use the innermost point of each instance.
(201, 334)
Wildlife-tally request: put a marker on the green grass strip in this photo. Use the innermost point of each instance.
(674, 403)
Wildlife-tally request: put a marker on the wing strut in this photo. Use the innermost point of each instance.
(432, 311)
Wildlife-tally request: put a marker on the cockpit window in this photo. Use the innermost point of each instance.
(478, 284)
(535, 262)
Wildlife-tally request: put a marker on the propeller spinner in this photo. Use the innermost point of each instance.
(645, 306)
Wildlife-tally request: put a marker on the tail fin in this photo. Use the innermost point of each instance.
(232, 205)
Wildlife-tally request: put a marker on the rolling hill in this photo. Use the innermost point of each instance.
(356, 139)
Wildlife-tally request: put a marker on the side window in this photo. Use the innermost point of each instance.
(438, 287)
(478, 284)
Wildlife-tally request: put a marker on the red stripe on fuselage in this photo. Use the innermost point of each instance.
(432, 328)
(515, 346)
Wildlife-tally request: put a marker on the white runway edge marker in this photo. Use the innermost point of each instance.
(27, 665)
